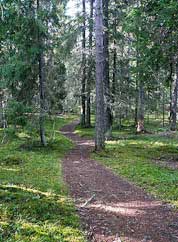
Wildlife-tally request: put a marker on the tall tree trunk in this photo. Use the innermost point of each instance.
(173, 111)
(140, 115)
(41, 64)
(114, 74)
(114, 56)
(136, 103)
(83, 84)
(88, 113)
(3, 122)
(163, 107)
(100, 129)
(107, 113)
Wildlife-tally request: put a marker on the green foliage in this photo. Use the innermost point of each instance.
(18, 113)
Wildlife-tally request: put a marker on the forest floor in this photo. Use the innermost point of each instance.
(34, 202)
(112, 208)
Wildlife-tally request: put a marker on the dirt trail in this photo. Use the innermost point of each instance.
(112, 209)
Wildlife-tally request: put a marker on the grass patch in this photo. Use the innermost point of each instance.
(34, 205)
(132, 156)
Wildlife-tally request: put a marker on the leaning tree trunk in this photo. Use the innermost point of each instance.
(173, 111)
(41, 65)
(100, 129)
(89, 78)
(140, 114)
(107, 113)
(83, 84)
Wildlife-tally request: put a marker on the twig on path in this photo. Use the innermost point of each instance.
(88, 201)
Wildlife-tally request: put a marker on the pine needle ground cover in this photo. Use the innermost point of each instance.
(34, 205)
(135, 158)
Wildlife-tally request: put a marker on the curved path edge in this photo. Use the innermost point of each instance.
(110, 208)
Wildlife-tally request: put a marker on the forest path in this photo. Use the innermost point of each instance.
(112, 209)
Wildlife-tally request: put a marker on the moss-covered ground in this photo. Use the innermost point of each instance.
(34, 204)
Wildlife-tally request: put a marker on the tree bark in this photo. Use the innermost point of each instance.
(136, 103)
(114, 75)
(3, 122)
(41, 65)
(107, 113)
(83, 84)
(140, 115)
(114, 57)
(100, 129)
(173, 111)
(163, 107)
(89, 79)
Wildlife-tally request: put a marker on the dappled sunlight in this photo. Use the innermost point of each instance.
(86, 143)
(32, 190)
(141, 144)
(64, 132)
(131, 209)
(116, 209)
(28, 213)
(33, 231)
(47, 227)
(139, 161)
(23, 135)
(9, 169)
(113, 142)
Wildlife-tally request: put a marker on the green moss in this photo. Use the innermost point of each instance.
(34, 205)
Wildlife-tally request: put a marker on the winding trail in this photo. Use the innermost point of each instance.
(112, 209)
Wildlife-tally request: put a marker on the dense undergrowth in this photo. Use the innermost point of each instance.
(135, 157)
(34, 205)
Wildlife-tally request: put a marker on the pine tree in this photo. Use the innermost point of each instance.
(100, 129)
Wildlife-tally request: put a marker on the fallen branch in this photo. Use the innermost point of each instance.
(88, 201)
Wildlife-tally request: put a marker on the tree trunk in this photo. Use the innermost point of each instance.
(163, 108)
(107, 113)
(114, 56)
(3, 122)
(88, 114)
(114, 75)
(100, 129)
(173, 111)
(136, 104)
(140, 115)
(41, 65)
(83, 84)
